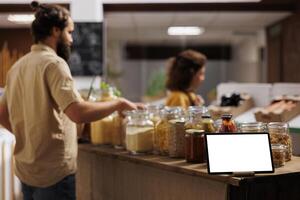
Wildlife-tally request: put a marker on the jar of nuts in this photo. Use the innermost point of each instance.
(278, 154)
(279, 134)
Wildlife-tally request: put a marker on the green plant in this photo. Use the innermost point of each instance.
(156, 84)
(106, 86)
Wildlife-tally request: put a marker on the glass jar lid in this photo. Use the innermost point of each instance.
(253, 126)
(154, 108)
(172, 112)
(281, 125)
(197, 110)
(194, 131)
(206, 116)
(226, 116)
(136, 113)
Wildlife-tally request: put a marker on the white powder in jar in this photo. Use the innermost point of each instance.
(139, 139)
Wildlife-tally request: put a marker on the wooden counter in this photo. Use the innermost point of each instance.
(106, 173)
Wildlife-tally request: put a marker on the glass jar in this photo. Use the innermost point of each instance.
(162, 129)
(107, 94)
(139, 132)
(278, 154)
(177, 138)
(279, 134)
(195, 146)
(208, 124)
(101, 130)
(195, 117)
(118, 134)
(154, 112)
(218, 124)
(228, 125)
(256, 127)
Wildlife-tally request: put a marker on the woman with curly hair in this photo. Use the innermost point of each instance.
(186, 73)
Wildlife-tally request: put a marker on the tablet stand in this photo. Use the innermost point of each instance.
(240, 174)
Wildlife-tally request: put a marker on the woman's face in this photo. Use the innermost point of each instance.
(198, 78)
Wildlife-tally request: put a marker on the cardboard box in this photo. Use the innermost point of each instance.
(279, 114)
(217, 111)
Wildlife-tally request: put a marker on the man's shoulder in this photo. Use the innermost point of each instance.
(50, 58)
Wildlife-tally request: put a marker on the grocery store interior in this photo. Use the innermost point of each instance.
(252, 80)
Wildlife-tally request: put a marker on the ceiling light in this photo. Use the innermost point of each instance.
(21, 18)
(185, 30)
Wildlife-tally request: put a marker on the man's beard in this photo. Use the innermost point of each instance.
(63, 50)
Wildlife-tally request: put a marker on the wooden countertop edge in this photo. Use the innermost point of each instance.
(153, 161)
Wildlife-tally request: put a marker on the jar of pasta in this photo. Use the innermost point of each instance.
(279, 134)
(162, 129)
(251, 127)
(139, 132)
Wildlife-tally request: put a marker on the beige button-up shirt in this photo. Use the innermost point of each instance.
(39, 88)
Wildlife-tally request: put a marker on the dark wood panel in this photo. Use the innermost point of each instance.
(156, 52)
(171, 7)
(265, 5)
(20, 7)
(283, 44)
(274, 53)
(291, 49)
(19, 39)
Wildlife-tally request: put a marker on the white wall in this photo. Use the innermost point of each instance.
(246, 65)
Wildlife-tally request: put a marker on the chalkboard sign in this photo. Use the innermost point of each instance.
(87, 49)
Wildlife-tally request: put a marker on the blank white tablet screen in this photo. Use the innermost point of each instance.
(239, 153)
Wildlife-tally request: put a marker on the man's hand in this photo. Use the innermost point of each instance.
(128, 105)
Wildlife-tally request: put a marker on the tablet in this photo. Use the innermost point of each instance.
(238, 152)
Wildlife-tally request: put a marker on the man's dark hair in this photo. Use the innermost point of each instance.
(46, 17)
(183, 68)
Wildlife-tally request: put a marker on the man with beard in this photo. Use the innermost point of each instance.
(40, 106)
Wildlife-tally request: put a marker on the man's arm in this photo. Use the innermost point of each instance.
(85, 112)
(4, 117)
